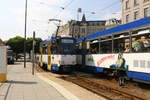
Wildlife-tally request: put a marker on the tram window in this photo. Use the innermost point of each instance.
(141, 43)
(122, 43)
(117, 46)
(55, 49)
(68, 50)
(106, 47)
(94, 48)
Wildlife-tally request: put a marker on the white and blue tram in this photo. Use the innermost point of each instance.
(124, 48)
(58, 54)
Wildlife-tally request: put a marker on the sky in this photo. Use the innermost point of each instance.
(40, 11)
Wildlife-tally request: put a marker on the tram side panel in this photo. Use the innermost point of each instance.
(44, 61)
(137, 65)
(100, 62)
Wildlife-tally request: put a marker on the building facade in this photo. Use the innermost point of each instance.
(81, 28)
(134, 10)
(112, 23)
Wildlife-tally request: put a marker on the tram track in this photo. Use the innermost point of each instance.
(101, 88)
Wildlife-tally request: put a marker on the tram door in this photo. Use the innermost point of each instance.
(49, 57)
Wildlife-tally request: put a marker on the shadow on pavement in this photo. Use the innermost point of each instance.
(17, 63)
(21, 82)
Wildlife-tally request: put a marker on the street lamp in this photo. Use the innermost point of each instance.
(79, 10)
(25, 31)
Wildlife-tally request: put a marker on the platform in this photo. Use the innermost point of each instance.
(22, 85)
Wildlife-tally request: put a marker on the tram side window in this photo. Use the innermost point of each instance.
(106, 47)
(55, 50)
(122, 43)
(141, 43)
(119, 46)
(94, 48)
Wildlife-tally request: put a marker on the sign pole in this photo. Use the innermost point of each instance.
(33, 54)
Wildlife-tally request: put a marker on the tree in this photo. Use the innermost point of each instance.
(29, 44)
(37, 46)
(16, 44)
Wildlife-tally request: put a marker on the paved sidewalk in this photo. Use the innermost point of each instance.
(22, 85)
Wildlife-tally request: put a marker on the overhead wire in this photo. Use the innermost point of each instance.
(105, 8)
(109, 6)
(69, 4)
(63, 8)
(94, 12)
(60, 10)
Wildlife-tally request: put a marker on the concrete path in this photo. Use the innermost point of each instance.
(22, 85)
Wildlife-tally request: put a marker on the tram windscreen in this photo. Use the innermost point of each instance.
(68, 46)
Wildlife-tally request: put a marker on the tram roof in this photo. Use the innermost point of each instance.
(131, 25)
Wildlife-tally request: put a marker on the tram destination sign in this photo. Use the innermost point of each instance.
(67, 41)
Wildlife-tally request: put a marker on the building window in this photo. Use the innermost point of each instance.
(146, 12)
(76, 30)
(127, 4)
(98, 24)
(136, 14)
(83, 30)
(136, 2)
(90, 24)
(93, 24)
(127, 18)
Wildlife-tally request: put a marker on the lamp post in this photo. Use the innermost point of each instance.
(78, 11)
(25, 31)
(33, 53)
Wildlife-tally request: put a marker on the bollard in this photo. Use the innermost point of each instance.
(3, 64)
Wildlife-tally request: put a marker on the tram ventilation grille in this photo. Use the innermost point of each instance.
(136, 63)
(148, 64)
(142, 64)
